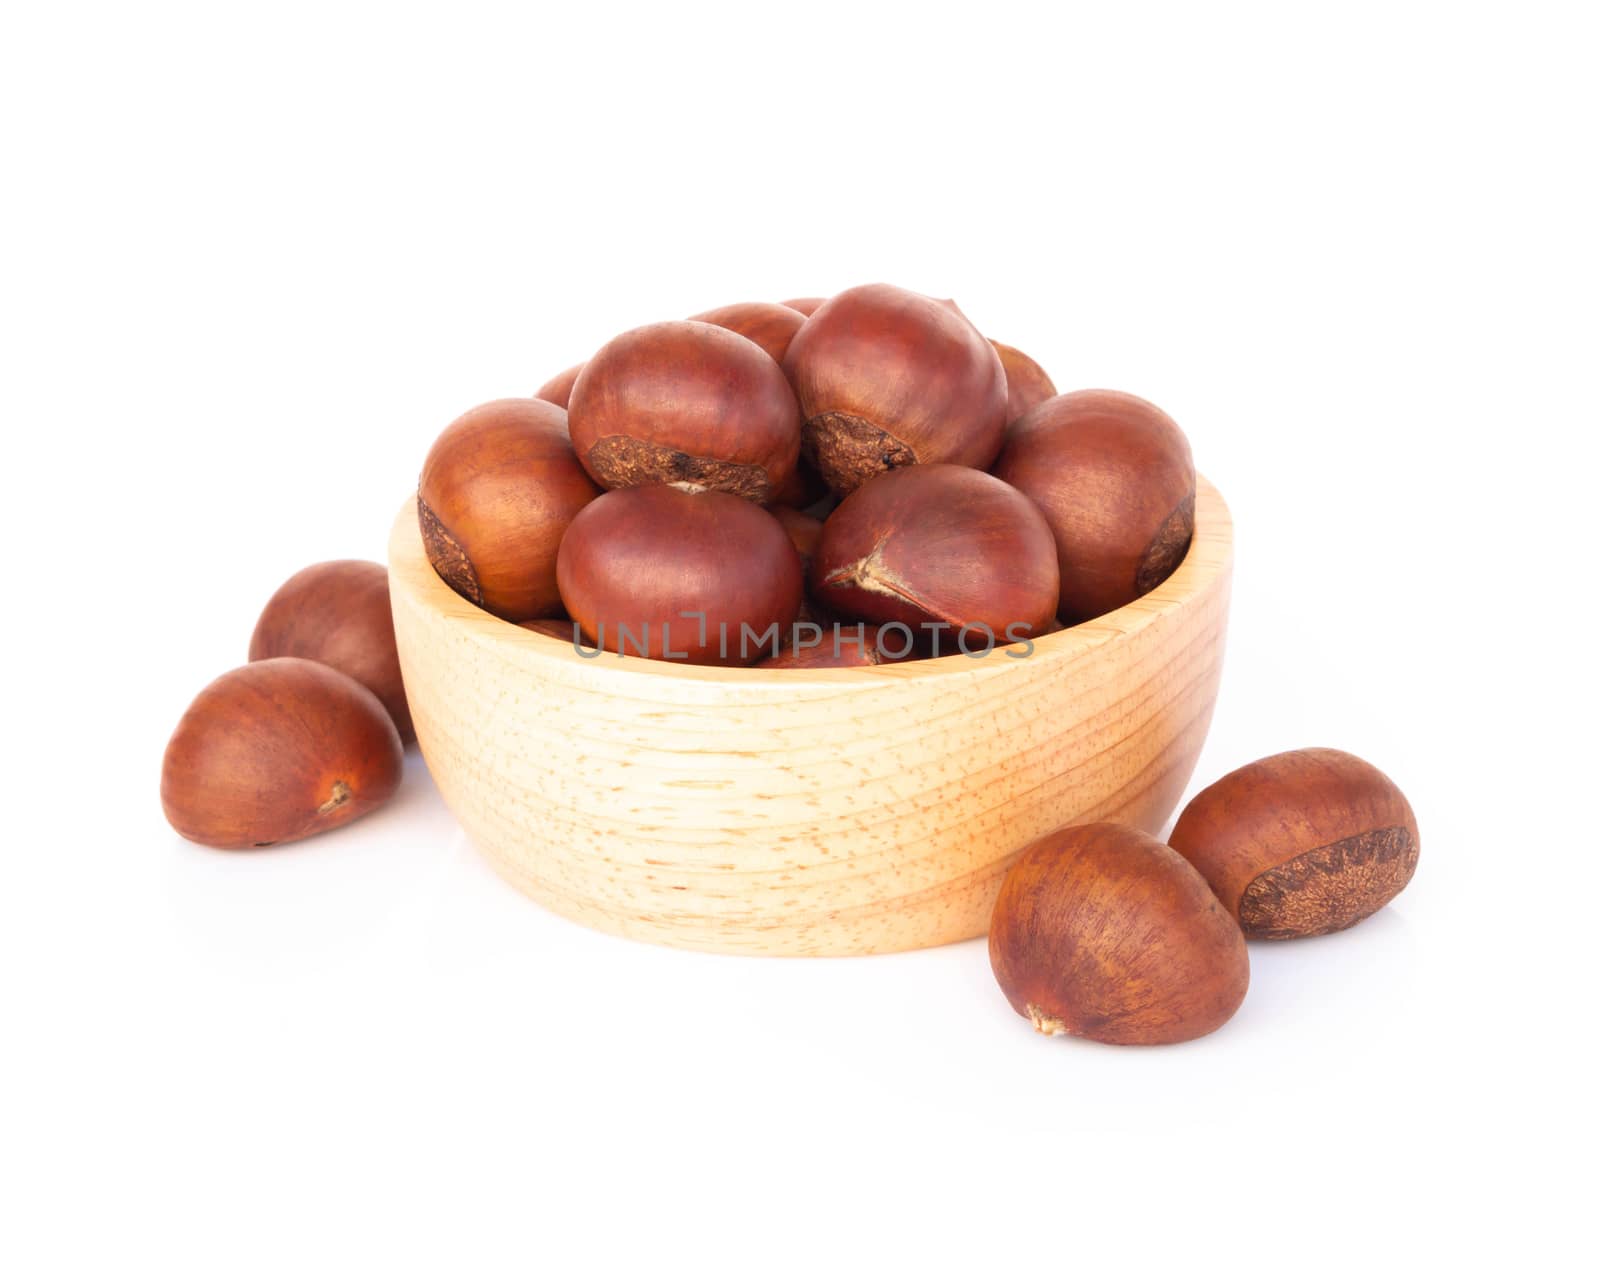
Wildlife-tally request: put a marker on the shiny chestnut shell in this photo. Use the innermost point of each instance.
(1026, 382)
(1302, 843)
(770, 326)
(638, 564)
(939, 544)
(497, 491)
(338, 613)
(1100, 931)
(276, 751)
(888, 378)
(685, 403)
(558, 390)
(1115, 480)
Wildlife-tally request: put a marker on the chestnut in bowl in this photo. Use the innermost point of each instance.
(1026, 382)
(338, 613)
(935, 547)
(685, 403)
(697, 576)
(497, 492)
(887, 378)
(558, 390)
(771, 326)
(1115, 480)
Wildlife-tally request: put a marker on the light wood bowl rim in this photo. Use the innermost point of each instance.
(1210, 557)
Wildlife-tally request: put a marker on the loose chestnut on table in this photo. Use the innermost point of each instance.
(680, 575)
(338, 613)
(276, 751)
(1115, 480)
(936, 546)
(497, 492)
(887, 378)
(685, 403)
(1302, 843)
(1101, 931)
(771, 326)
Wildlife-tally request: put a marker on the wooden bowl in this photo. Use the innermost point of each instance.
(803, 812)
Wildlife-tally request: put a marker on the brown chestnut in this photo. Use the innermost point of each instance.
(836, 645)
(803, 489)
(562, 628)
(497, 491)
(685, 403)
(1026, 382)
(805, 532)
(938, 545)
(1115, 479)
(1303, 843)
(807, 305)
(338, 613)
(771, 326)
(1102, 932)
(276, 751)
(699, 576)
(558, 391)
(887, 378)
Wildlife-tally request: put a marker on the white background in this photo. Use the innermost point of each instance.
(255, 257)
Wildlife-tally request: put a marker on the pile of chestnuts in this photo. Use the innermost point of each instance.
(817, 483)
(822, 483)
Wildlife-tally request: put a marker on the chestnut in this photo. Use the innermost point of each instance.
(805, 532)
(699, 576)
(1100, 931)
(1115, 479)
(498, 489)
(558, 391)
(275, 751)
(888, 378)
(803, 489)
(1026, 382)
(939, 545)
(562, 628)
(806, 304)
(840, 645)
(771, 326)
(1303, 843)
(338, 613)
(685, 403)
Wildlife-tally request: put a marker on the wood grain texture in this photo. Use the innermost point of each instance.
(822, 812)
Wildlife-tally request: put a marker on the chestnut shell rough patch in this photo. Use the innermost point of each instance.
(887, 378)
(338, 613)
(497, 491)
(1302, 843)
(276, 751)
(1100, 931)
(938, 543)
(686, 403)
(638, 563)
(1115, 479)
